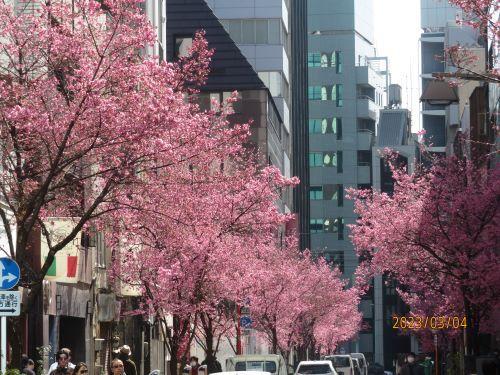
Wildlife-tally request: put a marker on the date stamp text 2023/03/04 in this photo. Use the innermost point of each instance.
(429, 322)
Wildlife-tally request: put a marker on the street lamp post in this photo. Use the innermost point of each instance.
(436, 366)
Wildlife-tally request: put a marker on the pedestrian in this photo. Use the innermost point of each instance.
(194, 365)
(213, 365)
(411, 367)
(63, 360)
(128, 364)
(117, 367)
(81, 369)
(28, 366)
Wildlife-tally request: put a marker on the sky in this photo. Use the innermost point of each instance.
(397, 32)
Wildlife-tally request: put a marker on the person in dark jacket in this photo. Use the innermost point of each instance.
(128, 364)
(28, 366)
(411, 367)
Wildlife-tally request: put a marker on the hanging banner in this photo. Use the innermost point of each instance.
(65, 266)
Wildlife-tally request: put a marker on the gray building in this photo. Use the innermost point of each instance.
(261, 30)
(346, 89)
(394, 132)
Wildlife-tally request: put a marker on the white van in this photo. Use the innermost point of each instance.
(362, 362)
(272, 363)
(315, 368)
(342, 363)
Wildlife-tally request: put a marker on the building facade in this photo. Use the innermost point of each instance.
(264, 95)
(261, 31)
(393, 132)
(346, 89)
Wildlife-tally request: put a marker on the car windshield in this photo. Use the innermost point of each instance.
(268, 366)
(314, 369)
(340, 361)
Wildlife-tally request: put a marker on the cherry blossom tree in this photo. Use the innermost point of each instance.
(297, 301)
(437, 236)
(182, 248)
(482, 15)
(86, 117)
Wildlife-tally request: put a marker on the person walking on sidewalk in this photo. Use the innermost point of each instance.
(128, 364)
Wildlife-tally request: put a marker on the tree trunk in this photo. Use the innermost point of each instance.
(274, 341)
(15, 336)
(209, 344)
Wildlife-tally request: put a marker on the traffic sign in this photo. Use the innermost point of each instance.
(9, 273)
(10, 303)
(246, 322)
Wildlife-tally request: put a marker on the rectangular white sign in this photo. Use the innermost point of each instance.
(10, 303)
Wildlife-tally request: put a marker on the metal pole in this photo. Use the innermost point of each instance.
(238, 332)
(3, 349)
(436, 349)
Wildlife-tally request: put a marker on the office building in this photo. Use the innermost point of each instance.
(393, 132)
(347, 85)
(261, 31)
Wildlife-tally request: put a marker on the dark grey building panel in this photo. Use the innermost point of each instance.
(300, 132)
(230, 70)
(393, 127)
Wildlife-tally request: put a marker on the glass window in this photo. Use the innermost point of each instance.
(315, 159)
(215, 99)
(364, 158)
(324, 60)
(340, 195)
(337, 127)
(334, 60)
(275, 83)
(316, 225)
(340, 361)
(336, 258)
(340, 226)
(330, 192)
(314, 92)
(313, 59)
(324, 93)
(248, 32)
(234, 29)
(182, 46)
(237, 107)
(329, 159)
(313, 369)
(316, 192)
(274, 31)
(325, 126)
(315, 126)
(204, 101)
(334, 193)
(240, 366)
(338, 59)
(340, 167)
(330, 225)
(264, 76)
(261, 31)
(338, 94)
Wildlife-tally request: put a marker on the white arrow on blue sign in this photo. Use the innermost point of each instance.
(246, 321)
(9, 273)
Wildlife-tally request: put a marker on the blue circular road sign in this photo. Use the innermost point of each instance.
(246, 322)
(9, 273)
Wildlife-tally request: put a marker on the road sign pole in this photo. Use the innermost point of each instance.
(3, 346)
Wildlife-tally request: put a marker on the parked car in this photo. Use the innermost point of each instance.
(316, 368)
(272, 363)
(357, 369)
(342, 363)
(363, 365)
(242, 373)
